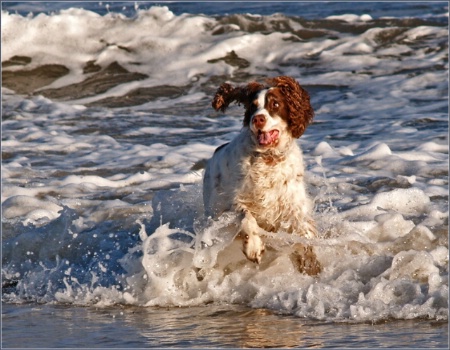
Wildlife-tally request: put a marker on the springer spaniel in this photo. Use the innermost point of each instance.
(259, 174)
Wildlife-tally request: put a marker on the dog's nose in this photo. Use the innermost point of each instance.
(259, 121)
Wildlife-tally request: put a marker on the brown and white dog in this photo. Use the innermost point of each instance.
(260, 173)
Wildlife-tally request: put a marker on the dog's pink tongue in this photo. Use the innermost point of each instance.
(266, 138)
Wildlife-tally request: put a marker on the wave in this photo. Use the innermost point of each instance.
(118, 61)
(106, 126)
(378, 263)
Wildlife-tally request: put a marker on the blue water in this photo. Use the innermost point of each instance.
(307, 9)
(226, 326)
(384, 123)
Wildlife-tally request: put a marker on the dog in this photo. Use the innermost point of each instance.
(260, 173)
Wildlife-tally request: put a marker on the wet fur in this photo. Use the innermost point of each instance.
(264, 183)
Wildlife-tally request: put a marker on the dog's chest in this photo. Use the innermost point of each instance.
(268, 187)
(264, 175)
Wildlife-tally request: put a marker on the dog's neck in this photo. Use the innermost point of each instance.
(272, 156)
(269, 158)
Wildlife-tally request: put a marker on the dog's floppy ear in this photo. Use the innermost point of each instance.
(301, 113)
(227, 94)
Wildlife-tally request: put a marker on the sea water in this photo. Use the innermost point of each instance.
(106, 128)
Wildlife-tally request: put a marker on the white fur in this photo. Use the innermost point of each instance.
(271, 194)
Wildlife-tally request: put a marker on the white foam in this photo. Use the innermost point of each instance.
(30, 209)
(98, 212)
(351, 18)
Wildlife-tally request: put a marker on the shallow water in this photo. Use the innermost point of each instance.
(211, 326)
(103, 152)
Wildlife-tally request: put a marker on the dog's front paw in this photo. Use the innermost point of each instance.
(253, 248)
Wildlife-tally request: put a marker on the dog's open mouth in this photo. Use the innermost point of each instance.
(267, 138)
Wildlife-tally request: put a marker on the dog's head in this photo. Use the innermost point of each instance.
(273, 110)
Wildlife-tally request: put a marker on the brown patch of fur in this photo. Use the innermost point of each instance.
(226, 94)
(298, 103)
(295, 102)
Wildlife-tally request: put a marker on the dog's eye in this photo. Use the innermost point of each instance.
(275, 104)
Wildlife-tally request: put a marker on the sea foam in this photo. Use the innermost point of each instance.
(103, 205)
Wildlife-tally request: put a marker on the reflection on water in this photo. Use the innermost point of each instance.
(200, 327)
(228, 326)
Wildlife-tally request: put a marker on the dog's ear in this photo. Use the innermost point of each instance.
(301, 112)
(223, 97)
(227, 94)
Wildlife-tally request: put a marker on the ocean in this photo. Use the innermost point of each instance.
(106, 127)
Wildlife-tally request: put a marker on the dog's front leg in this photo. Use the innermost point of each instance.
(253, 246)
